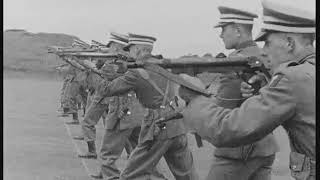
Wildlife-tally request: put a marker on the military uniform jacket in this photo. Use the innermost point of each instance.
(228, 89)
(150, 98)
(125, 112)
(288, 100)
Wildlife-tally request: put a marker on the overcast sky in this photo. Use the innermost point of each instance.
(180, 26)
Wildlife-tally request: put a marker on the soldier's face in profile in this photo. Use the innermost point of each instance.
(134, 51)
(276, 47)
(229, 36)
(116, 47)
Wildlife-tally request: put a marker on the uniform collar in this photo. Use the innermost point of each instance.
(246, 44)
(305, 55)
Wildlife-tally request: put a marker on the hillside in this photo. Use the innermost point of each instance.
(27, 52)
(24, 51)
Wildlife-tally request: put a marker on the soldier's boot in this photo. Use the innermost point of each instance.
(75, 119)
(91, 154)
(65, 112)
(97, 176)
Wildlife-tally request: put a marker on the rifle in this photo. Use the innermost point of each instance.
(96, 43)
(194, 66)
(81, 43)
(91, 55)
(75, 57)
(65, 50)
(197, 65)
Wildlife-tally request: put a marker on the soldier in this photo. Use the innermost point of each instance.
(154, 93)
(253, 161)
(70, 99)
(122, 124)
(66, 79)
(287, 100)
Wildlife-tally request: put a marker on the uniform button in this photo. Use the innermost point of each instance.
(128, 112)
(164, 127)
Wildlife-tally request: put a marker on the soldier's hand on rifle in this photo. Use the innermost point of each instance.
(250, 88)
(187, 94)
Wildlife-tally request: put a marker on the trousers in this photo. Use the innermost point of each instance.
(147, 154)
(257, 168)
(113, 143)
(91, 119)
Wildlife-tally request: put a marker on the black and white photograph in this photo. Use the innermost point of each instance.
(159, 89)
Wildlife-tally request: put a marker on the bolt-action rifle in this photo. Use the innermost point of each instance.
(197, 65)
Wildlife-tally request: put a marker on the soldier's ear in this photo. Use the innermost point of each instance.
(291, 43)
(237, 29)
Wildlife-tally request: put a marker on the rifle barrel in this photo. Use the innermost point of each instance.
(178, 63)
(91, 55)
(196, 65)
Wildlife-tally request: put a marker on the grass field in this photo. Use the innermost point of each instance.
(37, 144)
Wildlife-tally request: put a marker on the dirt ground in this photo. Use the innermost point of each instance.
(38, 145)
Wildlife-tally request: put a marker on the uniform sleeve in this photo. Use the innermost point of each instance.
(255, 118)
(121, 85)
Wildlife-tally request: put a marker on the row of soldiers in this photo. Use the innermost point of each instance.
(235, 119)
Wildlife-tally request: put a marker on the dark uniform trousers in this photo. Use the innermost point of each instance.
(253, 161)
(170, 142)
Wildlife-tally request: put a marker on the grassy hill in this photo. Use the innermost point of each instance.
(27, 52)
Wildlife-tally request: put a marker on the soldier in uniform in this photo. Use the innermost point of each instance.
(70, 99)
(253, 161)
(154, 93)
(122, 124)
(97, 105)
(67, 76)
(287, 100)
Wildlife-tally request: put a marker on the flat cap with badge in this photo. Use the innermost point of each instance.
(230, 15)
(136, 39)
(118, 38)
(283, 18)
